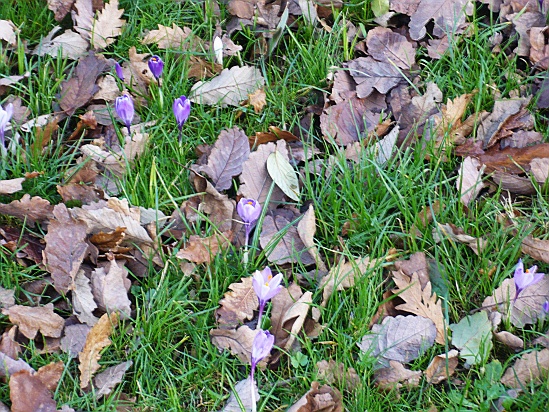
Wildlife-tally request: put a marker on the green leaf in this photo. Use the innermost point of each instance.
(380, 7)
(283, 174)
(473, 337)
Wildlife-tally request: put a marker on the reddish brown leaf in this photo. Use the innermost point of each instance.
(109, 241)
(513, 160)
(442, 367)
(60, 8)
(387, 46)
(32, 209)
(50, 374)
(204, 249)
(238, 305)
(29, 394)
(33, 319)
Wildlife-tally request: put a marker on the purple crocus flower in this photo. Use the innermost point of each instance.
(119, 71)
(156, 65)
(5, 117)
(545, 307)
(524, 278)
(261, 347)
(125, 110)
(181, 110)
(249, 211)
(266, 287)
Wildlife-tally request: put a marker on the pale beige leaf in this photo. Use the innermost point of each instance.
(110, 289)
(238, 341)
(96, 341)
(306, 229)
(7, 297)
(258, 100)
(540, 169)
(50, 374)
(237, 305)
(442, 367)
(420, 302)
(8, 32)
(509, 340)
(230, 88)
(70, 43)
(457, 234)
(108, 89)
(395, 376)
(241, 395)
(283, 174)
(7, 187)
(531, 367)
(82, 16)
(107, 25)
(106, 381)
(174, 37)
(470, 182)
(537, 248)
(83, 303)
(31, 320)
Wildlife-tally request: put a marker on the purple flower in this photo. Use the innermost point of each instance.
(119, 71)
(265, 285)
(261, 347)
(249, 211)
(524, 278)
(156, 65)
(181, 110)
(545, 307)
(125, 110)
(5, 117)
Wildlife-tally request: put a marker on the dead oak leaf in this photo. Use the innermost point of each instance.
(107, 25)
(96, 341)
(238, 304)
(258, 100)
(319, 399)
(69, 43)
(31, 320)
(531, 367)
(336, 372)
(238, 341)
(28, 393)
(32, 209)
(83, 303)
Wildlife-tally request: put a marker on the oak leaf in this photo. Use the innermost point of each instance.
(238, 304)
(204, 249)
(319, 399)
(175, 38)
(107, 25)
(238, 341)
(83, 303)
(70, 43)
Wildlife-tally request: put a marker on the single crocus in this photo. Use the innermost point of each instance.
(261, 347)
(266, 287)
(156, 65)
(181, 110)
(249, 211)
(119, 71)
(524, 278)
(125, 109)
(545, 307)
(5, 117)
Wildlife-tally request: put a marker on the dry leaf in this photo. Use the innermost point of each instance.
(107, 25)
(7, 187)
(387, 46)
(96, 341)
(457, 234)
(50, 374)
(8, 32)
(238, 341)
(531, 367)
(83, 303)
(229, 88)
(109, 241)
(258, 100)
(33, 319)
(417, 263)
(306, 229)
(335, 372)
(470, 182)
(238, 305)
(323, 399)
(9, 366)
(60, 8)
(83, 193)
(217, 206)
(442, 367)
(370, 74)
(29, 394)
(509, 340)
(241, 395)
(66, 248)
(106, 381)
(420, 301)
(108, 89)
(175, 38)
(283, 174)
(395, 376)
(489, 128)
(74, 339)
(70, 43)
(513, 160)
(110, 289)
(31, 209)
(537, 248)
(204, 249)
(448, 17)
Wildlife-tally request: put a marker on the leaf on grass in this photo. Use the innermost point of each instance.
(9, 366)
(531, 367)
(229, 153)
(74, 339)
(319, 399)
(238, 341)
(137, 74)
(83, 303)
(109, 241)
(306, 229)
(106, 381)
(107, 25)
(369, 74)
(442, 367)
(70, 43)
(401, 338)
(420, 301)
(344, 275)
(217, 206)
(7, 297)
(66, 247)
(537, 248)
(108, 89)
(473, 337)
(470, 182)
(8, 32)
(513, 160)
(396, 376)
(258, 100)
(82, 17)
(229, 88)
(457, 234)
(32, 209)
(283, 174)
(448, 15)
(255, 179)
(33, 319)
(110, 289)
(96, 341)
(29, 394)
(387, 46)
(241, 396)
(336, 372)
(60, 8)
(237, 305)
(83, 193)
(7, 187)
(281, 242)
(509, 340)
(50, 374)
(503, 110)
(175, 38)
(383, 149)
(204, 249)
(526, 310)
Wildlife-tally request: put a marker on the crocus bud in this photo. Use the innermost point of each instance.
(125, 109)
(218, 50)
(524, 278)
(181, 110)
(265, 285)
(119, 71)
(545, 307)
(249, 211)
(261, 346)
(5, 117)
(156, 65)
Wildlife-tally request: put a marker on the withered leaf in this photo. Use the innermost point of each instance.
(110, 288)
(283, 174)
(537, 248)
(539, 50)
(66, 247)
(204, 249)
(8, 32)
(457, 234)
(82, 299)
(387, 46)
(33, 319)
(83, 193)
(370, 74)
(174, 37)
(513, 160)
(396, 376)
(107, 25)
(503, 109)
(258, 100)
(442, 367)
(50, 374)
(509, 340)
(28, 393)
(217, 206)
(96, 341)
(74, 339)
(319, 399)
(242, 391)
(7, 187)
(9, 366)
(448, 16)
(336, 372)
(470, 182)
(306, 229)
(106, 381)
(70, 43)
(106, 241)
(230, 151)
(136, 71)
(531, 367)
(238, 341)
(202, 69)
(238, 304)
(32, 209)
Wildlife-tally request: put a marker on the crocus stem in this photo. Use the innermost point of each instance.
(252, 388)
(260, 316)
(246, 241)
(129, 130)
(160, 95)
(180, 137)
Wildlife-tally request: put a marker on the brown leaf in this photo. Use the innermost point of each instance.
(217, 206)
(238, 341)
(470, 182)
(531, 367)
(510, 340)
(106, 381)
(229, 153)
(202, 69)
(66, 248)
(33, 319)
(80, 88)
(417, 263)
(457, 234)
(523, 23)
(387, 46)
(83, 193)
(82, 17)
(521, 138)
(306, 229)
(8, 32)
(8, 345)
(74, 339)
(96, 341)
(70, 44)
(396, 376)
(110, 288)
(108, 89)
(204, 249)
(60, 8)
(258, 100)
(83, 302)
(108, 241)
(488, 129)
(32, 209)
(107, 25)
(29, 394)
(449, 16)
(323, 399)
(442, 367)
(9, 366)
(237, 305)
(420, 301)
(174, 37)
(370, 74)
(513, 160)
(335, 372)
(344, 86)
(537, 248)
(50, 374)
(7, 187)
(137, 74)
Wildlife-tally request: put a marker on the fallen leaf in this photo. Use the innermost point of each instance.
(175, 38)
(241, 395)
(531, 367)
(306, 229)
(33, 319)
(106, 381)
(229, 88)
(82, 16)
(30, 209)
(383, 149)
(336, 372)
(108, 89)
(396, 376)
(50, 374)
(370, 74)
(66, 248)
(202, 69)
(217, 206)
(258, 100)
(204, 249)
(107, 25)
(60, 8)
(237, 305)
(7, 187)
(110, 288)
(470, 182)
(69, 43)
(96, 341)
(513, 160)
(8, 32)
(490, 127)
(509, 340)
(238, 341)
(537, 248)
(319, 399)
(401, 338)
(74, 339)
(83, 303)
(442, 367)
(283, 174)
(539, 50)
(540, 169)
(387, 46)
(456, 234)
(9, 366)
(28, 393)
(7, 297)
(448, 17)
(472, 335)
(137, 74)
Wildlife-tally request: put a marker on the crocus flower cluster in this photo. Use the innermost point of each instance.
(524, 278)
(266, 287)
(5, 117)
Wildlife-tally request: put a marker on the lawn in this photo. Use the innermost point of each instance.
(387, 158)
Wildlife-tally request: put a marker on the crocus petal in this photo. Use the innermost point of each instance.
(537, 277)
(249, 210)
(156, 66)
(261, 346)
(119, 71)
(181, 110)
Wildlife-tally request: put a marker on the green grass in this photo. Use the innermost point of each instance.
(175, 365)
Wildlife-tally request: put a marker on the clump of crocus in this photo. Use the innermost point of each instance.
(125, 110)
(266, 287)
(5, 117)
(118, 70)
(156, 66)
(181, 111)
(524, 278)
(261, 347)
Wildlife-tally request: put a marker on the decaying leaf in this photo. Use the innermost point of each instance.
(387, 46)
(28, 393)
(8, 32)
(31, 209)
(537, 248)
(448, 16)
(110, 289)
(107, 25)
(106, 381)
(319, 399)
(82, 299)
(470, 183)
(370, 74)
(9, 366)
(175, 38)
(74, 339)
(204, 249)
(472, 335)
(457, 234)
(258, 100)
(7, 187)
(531, 367)
(336, 372)
(442, 367)
(31, 320)
(60, 8)
(396, 376)
(50, 374)
(238, 305)
(241, 397)
(96, 341)
(306, 229)
(509, 340)
(238, 341)
(217, 206)
(69, 43)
